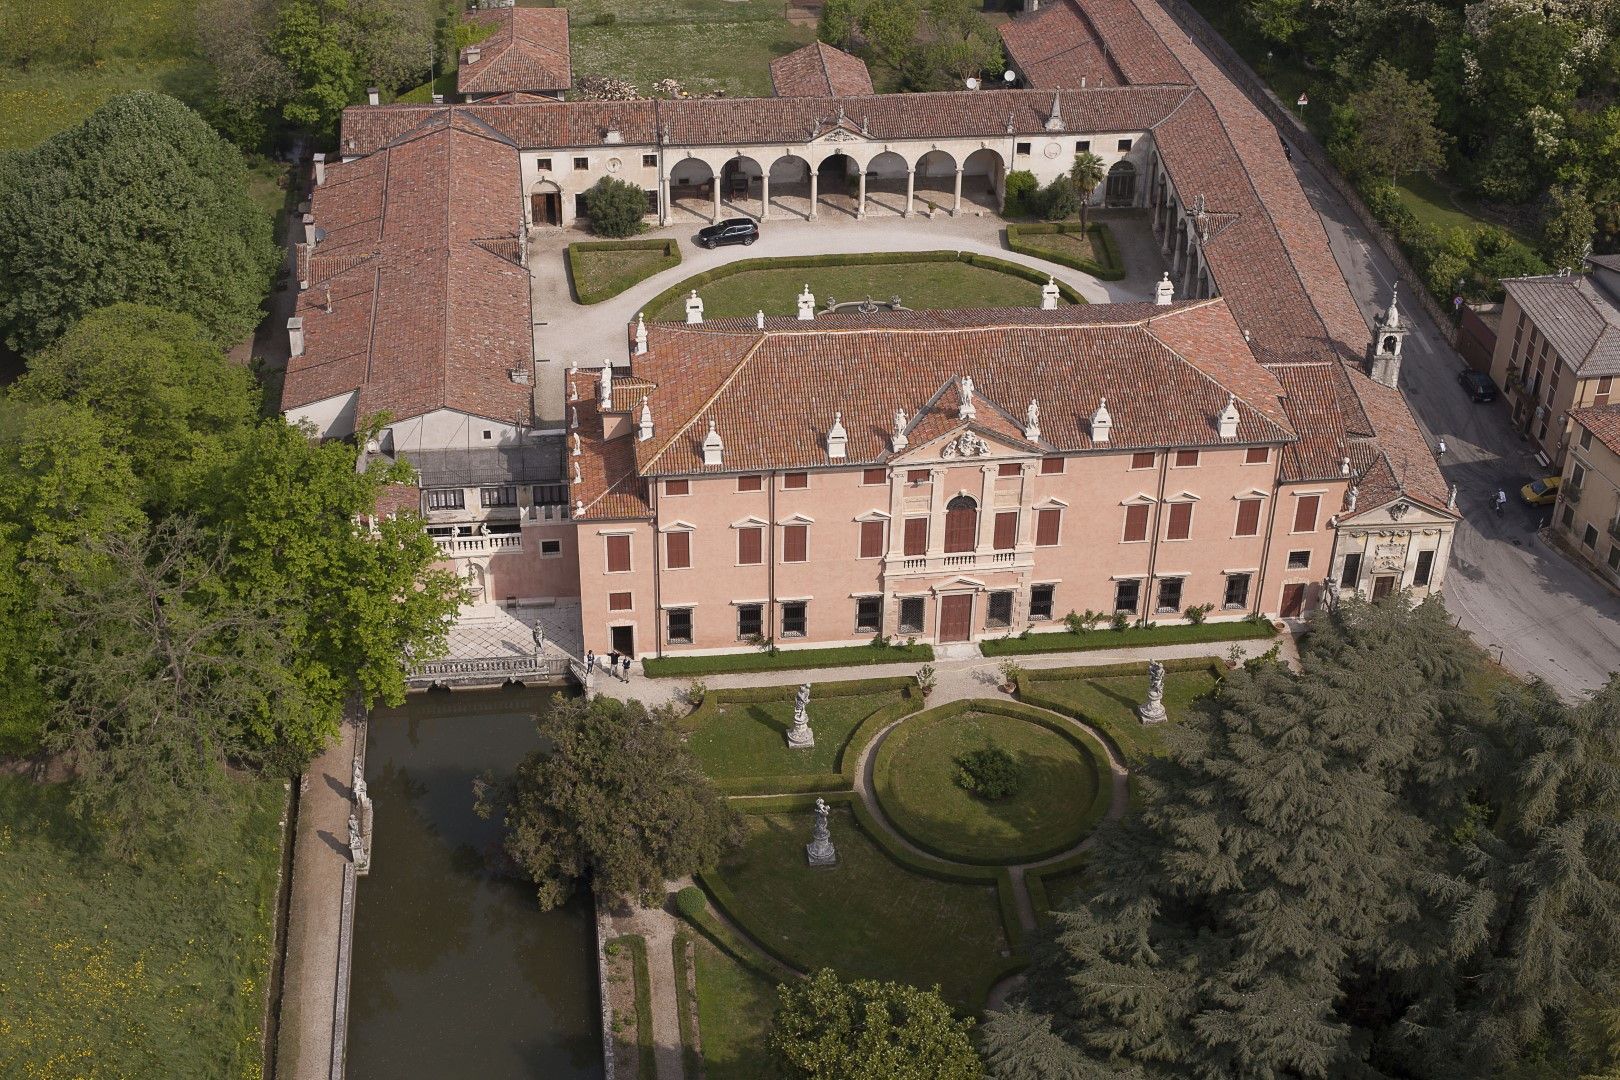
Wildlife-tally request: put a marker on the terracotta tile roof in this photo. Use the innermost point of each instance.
(527, 51)
(1101, 43)
(1602, 421)
(819, 70)
(1577, 316)
(868, 366)
(609, 487)
(415, 298)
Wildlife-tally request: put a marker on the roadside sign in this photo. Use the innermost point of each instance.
(1303, 99)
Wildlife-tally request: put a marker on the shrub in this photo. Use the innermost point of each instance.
(1270, 656)
(989, 772)
(1197, 613)
(1059, 200)
(1120, 621)
(695, 693)
(1080, 624)
(1011, 672)
(1022, 188)
(926, 679)
(691, 902)
(615, 207)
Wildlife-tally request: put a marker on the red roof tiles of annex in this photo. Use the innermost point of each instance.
(407, 302)
(1603, 421)
(528, 50)
(819, 70)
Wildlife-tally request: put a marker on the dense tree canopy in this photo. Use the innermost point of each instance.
(617, 802)
(1395, 124)
(828, 1029)
(140, 202)
(1367, 869)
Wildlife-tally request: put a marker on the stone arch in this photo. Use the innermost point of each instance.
(691, 187)
(789, 177)
(936, 179)
(742, 184)
(1120, 187)
(984, 175)
(545, 203)
(961, 524)
(477, 579)
(887, 178)
(837, 181)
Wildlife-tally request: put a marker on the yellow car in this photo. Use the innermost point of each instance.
(1542, 492)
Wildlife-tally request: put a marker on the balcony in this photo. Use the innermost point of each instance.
(960, 561)
(475, 544)
(487, 671)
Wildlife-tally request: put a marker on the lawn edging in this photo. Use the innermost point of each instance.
(686, 1012)
(1028, 694)
(883, 765)
(636, 945)
(666, 667)
(1132, 637)
(863, 733)
(1111, 268)
(671, 256)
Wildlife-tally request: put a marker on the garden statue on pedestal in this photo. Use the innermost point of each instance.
(799, 736)
(819, 851)
(1152, 712)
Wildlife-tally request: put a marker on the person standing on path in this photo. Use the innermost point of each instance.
(626, 665)
(590, 662)
(613, 663)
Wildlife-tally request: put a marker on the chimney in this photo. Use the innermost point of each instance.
(372, 97)
(1227, 422)
(694, 308)
(641, 334)
(474, 54)
(836, 437)
(613, 136)
(320, 169)
(713, 448)
(1164, 292)
(807, 304)
(645, 429)
(295, 336)
(309, 231)
(1101, 422)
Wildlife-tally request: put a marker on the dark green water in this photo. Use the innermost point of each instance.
(457, 974)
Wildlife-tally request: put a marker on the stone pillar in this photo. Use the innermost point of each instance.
(813, 178)
(715, 217)
(911, 188)
(1189, 286)
(1169, 227)
(987, 506)
(956, 202)
(765, 195)
(1026, 515)
(936, 513)
(663, 200)
(860, 204)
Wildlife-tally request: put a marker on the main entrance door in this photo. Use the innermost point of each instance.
(624, 641)
(1293, 601)
(956, 617)
(545, 208)
(1383, 585)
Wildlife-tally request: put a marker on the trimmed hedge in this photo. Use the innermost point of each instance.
(1028, 692)
(1035, 882)
(1019, 270)
(1129, 638)
(786, 660)
(671, 256)
(1111, 268)
(685, 1003)
(1018, 711)
(646, 1062)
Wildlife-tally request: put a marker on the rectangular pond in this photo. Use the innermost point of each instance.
(456, 971)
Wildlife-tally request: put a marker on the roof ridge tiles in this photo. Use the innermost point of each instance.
(708, 403)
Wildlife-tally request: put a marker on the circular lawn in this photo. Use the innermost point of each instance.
(1060, 798)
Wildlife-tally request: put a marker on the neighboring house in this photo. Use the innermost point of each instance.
(1558, 350)
(1589, 498)
(527, 53)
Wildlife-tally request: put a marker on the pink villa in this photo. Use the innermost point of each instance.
(1236, 442)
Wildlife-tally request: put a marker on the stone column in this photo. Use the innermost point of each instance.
(860, 205)
(663, 200)
(1189, 286)
(956, 203)
(1169, 227)
(716, 215)
(813, 178)
(987, 506)
(936, 514)
(1026, 515)
(911, 188)
(765, 195)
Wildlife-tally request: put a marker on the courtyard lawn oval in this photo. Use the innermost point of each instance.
(1062, 795)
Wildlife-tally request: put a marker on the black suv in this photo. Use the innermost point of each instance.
(1478, 384)
(730, 231)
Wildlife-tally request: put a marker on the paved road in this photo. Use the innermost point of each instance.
(1546, 616)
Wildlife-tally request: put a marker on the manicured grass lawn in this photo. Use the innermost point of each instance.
(1110, 703)
(916, 779)
(866, 917)
(110, 970)
(1129, 638)
(748, 738)
(38, 103)
(1070, 245)
(735, 1007)
(919, 285)
(604, 268)
(786, 660)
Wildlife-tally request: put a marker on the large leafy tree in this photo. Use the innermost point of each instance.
(140, 202)
(1396, 134)
(320, 66)
(828, 1029)
(617, 802)
(169, 398)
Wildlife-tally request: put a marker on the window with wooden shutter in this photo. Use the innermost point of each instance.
(1142, 460)
(1248, 517)
(677, 487)
(620, 601)
(1136, 523)
(1052, 466)
(795, 543)
(750, 546)
(1048, 525)
(916, 536)
(1006, 530)
(750, 482)
(678, 550)
(875, 476)
(1257, 455)
(1305, 513)
(872, 539)
(618, 554)
(1180, 526)
(1009, 468)
(1186, 459)
(796, 480)
(961, 524)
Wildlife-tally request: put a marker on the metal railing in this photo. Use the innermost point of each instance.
(484, 670)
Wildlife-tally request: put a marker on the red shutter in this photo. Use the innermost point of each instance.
(618, 554)
(1305, 513)
(1186, 459)
(1010, 468)
(961, 529)
(875, 476)
(795, 542)
(1047, 526)
(1257, 455)
(796, 480)
(619, 601)
(1248, 521)
(916, 536)
(678, 550)
(1051, 466)
(871, 539)
(1180, 521)
(677, 487)
(1136, 522)
(749, 546)
(1006, 530)
(1142, 460)
(749, 483)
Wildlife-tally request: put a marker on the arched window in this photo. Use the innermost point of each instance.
(961, 524)
(1121, 188)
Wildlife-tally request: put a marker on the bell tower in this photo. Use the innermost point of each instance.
(1389, 336)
